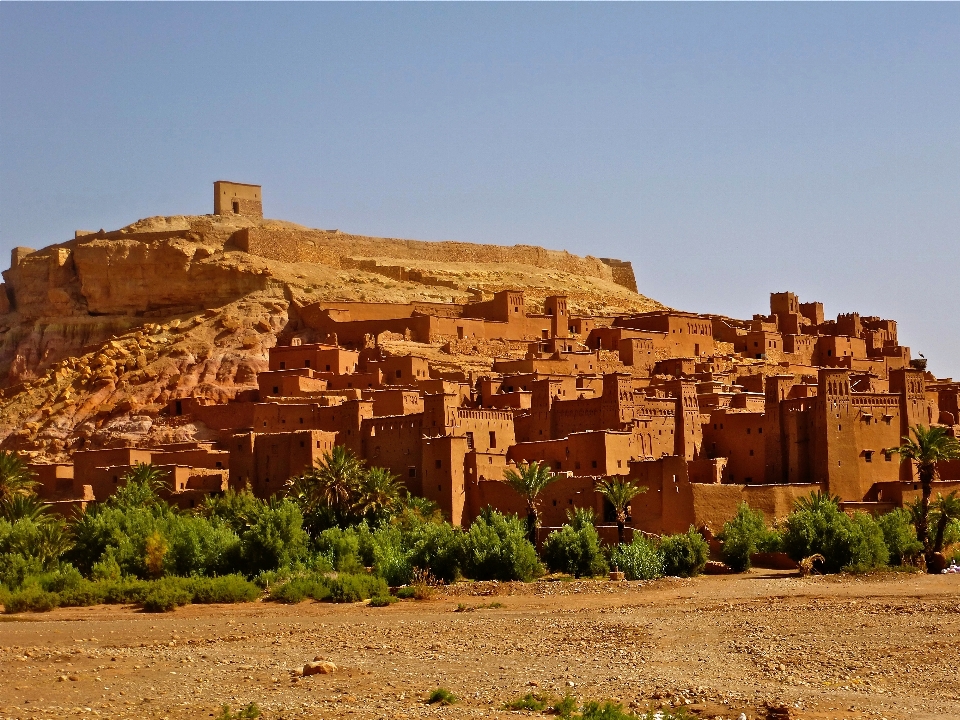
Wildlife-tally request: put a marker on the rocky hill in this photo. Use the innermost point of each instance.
(98, 333)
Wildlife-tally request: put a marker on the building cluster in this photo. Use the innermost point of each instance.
(704, 411)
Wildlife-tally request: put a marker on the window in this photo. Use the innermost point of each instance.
(493, 439)
(593, 463)
(439, 464)
(751, 453)
(411, 471)
(888, 456)
(470, 441)
(301, 443)
(619, 463)
(759, 431)
(398, 373)
(868, 456)
(328, 367)
(748, 431)
(236, 207)
(306, 363)
(276, 389)
(283, 365)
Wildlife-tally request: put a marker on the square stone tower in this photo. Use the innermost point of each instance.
(230, 198)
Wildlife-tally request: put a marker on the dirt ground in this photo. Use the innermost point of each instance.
(879, 647)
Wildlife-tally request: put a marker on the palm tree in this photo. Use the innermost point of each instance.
(24, 507)
(932, 445)
(380, 493)
(620, 493)
(581, 517)
(529, 480)
(146, 474)
(141, 483)
(816, 501)
(332, 484)
(946, 510)
(15, 476)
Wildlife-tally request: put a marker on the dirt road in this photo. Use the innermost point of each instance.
(883, 647)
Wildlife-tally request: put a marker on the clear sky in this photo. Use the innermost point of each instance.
(728, 150)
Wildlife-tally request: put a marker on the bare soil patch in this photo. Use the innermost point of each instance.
(830, 647)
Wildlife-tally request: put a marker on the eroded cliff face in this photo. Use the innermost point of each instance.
(99, 333)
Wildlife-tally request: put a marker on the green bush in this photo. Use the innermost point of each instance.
(226, 589)
(391, 558)
(437, 547)
(847, 543)
(745, 534)
(275, 539)
(496, 548)
(353, 588)
(441, 696)
(166, 595)
(638, 560)
(382, 600)
(341, 547)
(535, 702)
(899, 535)
(684, 554)
(575, 551)
(300, 588)
(407, 592)
(344, 587)
(32, 598)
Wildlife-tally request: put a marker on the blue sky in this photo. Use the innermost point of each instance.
(728, 150)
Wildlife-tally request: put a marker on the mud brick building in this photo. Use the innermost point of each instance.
(704, 411)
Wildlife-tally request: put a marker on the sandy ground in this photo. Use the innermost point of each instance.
(882, 647)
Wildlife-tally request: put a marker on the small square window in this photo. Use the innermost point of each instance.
(439, 464)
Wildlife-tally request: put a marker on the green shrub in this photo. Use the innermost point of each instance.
(406, 592)
(83, 594)
(496, 548)
(166, 595)
(237, 510)
(437, 547)
(819, 526)
(382, 600)
(535, 702)
(565, 707)
(441, 696)
(198, 546)
(32, 598)
(899, 535)
(575, 551)
(15, 569)
(608, 710)
(638, 560)
(391, 559)
(745, 534)
(684, 554)
(868, 550)
(341, 547)
(353, 588)
(250, 712)
(276, 539)
(299, 589)
(226, 589)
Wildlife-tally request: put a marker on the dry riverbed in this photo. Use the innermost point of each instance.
(877, 647)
